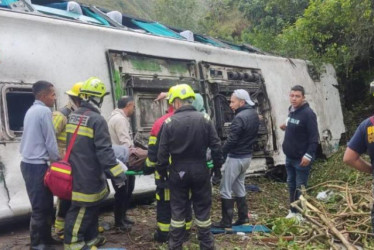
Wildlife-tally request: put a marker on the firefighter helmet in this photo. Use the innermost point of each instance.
(93, 87)
(182, 91)
(75, 90)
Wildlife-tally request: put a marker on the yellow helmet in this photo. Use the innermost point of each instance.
(75, 90)
(93, 87)
(169, 92)
(182, 91)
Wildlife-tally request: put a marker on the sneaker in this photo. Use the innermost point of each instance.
(290, 215)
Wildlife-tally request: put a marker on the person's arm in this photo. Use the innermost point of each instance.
(353, 159)
(163, 149)
(59, 122)
(357, 146)
(313, 138)
(49, 136)
(235, 131)
(215, 146)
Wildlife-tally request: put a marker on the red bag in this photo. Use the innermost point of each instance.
(58, 177)
(59, 180)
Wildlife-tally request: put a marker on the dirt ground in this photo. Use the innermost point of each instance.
(270, 203)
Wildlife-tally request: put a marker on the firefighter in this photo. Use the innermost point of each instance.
(163, 212)
(60, 118)
(185, 137)
(92, 159)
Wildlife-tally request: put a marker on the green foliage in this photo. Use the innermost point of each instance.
(331, 31)
(282, 226)
(178, 13)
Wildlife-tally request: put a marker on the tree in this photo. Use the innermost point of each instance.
(178, 13)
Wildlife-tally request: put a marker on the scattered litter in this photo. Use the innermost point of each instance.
(252, 188)
(325, 195)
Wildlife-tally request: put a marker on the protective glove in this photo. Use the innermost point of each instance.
(123, 166)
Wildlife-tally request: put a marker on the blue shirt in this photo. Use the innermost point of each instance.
(38, 144)
(363, 139)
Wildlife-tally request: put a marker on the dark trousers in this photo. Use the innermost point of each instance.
(63, 207)
(122, 199)
(297, 176)
(163, 213)
(41, 200)
(81, 225)
(186, 178)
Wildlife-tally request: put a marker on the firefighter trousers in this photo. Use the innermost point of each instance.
(163, 213)
(186, 177)
(81, 227)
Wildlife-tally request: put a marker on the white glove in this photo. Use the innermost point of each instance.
(123, 166)
(121, 184)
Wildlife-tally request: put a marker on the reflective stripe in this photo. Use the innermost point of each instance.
(189, 194)
(188, 225)
(64, 171)
(158, 197)
(84, 131)
(59, 224)
(62, 136)
(152, 140)
(166, 194)
(205, 223)
(116, 170)
(206, 116)
(57, 119)
(163, 227)
(76, 196)
(74, 246)
(77, 225)
(157, 175)
(177, 224)
(150, 163)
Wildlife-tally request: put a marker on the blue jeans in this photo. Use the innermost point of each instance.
(297, 176)
(41, 200)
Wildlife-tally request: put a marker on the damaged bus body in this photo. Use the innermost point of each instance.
(36, 44)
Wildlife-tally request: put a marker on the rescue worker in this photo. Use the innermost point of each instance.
(238, 149)
(163, 212)
(60, 118)
(121, 134)
(185, 137)
(38, 146)
(92, 159)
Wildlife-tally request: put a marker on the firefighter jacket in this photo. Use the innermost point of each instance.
(185, 137)
(92, 157)
(119, 128)
(60, 119)
(153, 144)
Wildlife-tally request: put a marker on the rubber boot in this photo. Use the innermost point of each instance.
(241, 204)
(227, 213)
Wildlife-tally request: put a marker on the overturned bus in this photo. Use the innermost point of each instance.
(39, 41)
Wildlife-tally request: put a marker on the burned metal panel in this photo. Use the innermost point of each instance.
(221, 81)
